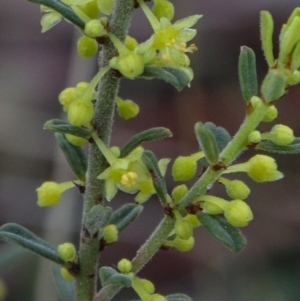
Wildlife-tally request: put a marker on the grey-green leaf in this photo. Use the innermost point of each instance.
(105, 273)
(64, 9)
(148, 135)
(18, 235)
(220, 229)
(125, 215)
(174, 76)
(60, 126)
(97, 218)
(178, 297)
(159, 182)
(269, 146)
(119, 279)
(273, 86)
(247, 73)
(75, 156)
(65, 289)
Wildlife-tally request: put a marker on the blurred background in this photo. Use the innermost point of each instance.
(35, 67)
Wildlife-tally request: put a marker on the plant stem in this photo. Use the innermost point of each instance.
(102, 123)
(229, 154)
(143, 255)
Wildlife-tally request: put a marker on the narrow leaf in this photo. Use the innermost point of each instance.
(273, 86)
(159, 182)
(105, 273)
(125, 215)
(178, 297)
(10, 256)
(119, 279)
(64, 9)
(60, 126)
(75, 156)
(174, 76)
(220, 229)
(20, 236)
(266, 35)
(97, 218)
(148, 135)
(65, 289)
(247, 73)
(269, 146)
(207, 143)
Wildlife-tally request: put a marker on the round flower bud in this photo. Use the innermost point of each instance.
(81, 87)
(66, 251)
(156, 297)
(254, 137)
(282, 134)
(48, 194)
(81, 112)
(238, 213)
(127, 108)
(163, 9)
(184, 229)
(124, 265)
(193, 220)
(184, 168)
(184, 245)
(129, 64)
(94, 28)
(67, 96)
(110, 233)
(212, 208)
(237, 189)
(66, 274)
(271, 114)
(262, 168)
(86, 47)
(179, 192)
(148, 286)
(130, 42)
(75, 140)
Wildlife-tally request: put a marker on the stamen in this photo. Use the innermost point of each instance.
(129, 179)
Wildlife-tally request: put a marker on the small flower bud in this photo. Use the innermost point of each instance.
(66, 274)
(184, 245)
(67, 96)
(148, 286)
(254, 137)
(163, 9)
(81, 87)
(106, 6)
(184, 229)
(157, 297)
(184, 168)
(124, 266)
(212, 208)
(271, 114)
(48, 194)
(263, 168)
(129, 64)
(127, 108)
(179, 192)
(110, 233)
(238, 213)
(237, 189)
(81, 112)
(193, 220)
(86, 47)
(66, 251)
(90, 9)
(282, 134)
(75, 140)
(94, 28)
(131, 43)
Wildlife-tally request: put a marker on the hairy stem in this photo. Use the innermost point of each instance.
(102, 123)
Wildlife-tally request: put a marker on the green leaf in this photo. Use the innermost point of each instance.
(62, 8)
(247, 73)
(207, 143)
(109, 275)
(65, 289)
(269, 146)
(178, 297)
(174, 76)
(273, 86)
(10, 256)
(60, 126)
(75, 156)
(20, 236)
(148, 135)
(97, 218)
(159, 182)
(125, 215)
(220, 229)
